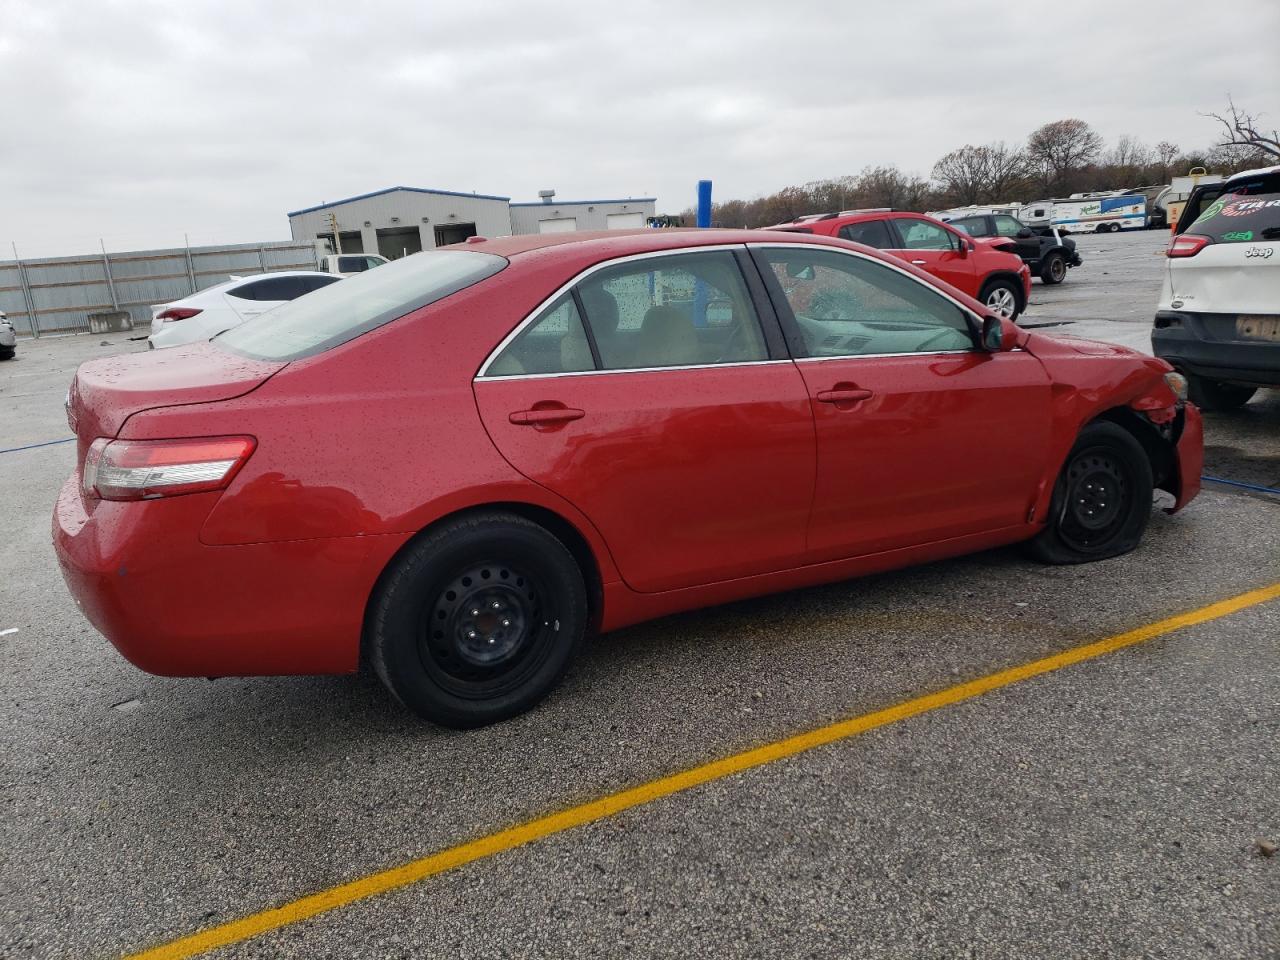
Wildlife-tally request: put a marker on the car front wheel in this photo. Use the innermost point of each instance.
(1001, 298)
(478, 620)
(1101, 501)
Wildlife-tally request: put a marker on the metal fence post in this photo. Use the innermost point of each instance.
(191, 270)
(26, 294)
(262, 259)
(106, 269)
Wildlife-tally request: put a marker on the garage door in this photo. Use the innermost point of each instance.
(560, 225)
(624, 221)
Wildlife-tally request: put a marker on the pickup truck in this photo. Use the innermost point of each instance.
(346, 264)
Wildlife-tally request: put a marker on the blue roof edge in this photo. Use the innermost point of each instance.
(378, 193)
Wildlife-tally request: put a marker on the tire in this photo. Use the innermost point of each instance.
(1114, 228)
(1213, 395)
(8, 353)
(478, 620)
(1001, 297)
(1101, 501)
(1054, 269)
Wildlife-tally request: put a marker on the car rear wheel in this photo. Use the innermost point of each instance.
(8, 353)
(1054, 269)
(1114, 228)
(1001, 298)
(478, 620)
(1101, 501)
(1213, 395)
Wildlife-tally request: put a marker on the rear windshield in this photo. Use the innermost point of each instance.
(344, 310)
(1247, 211)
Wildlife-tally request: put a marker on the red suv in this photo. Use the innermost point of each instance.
(988, 270)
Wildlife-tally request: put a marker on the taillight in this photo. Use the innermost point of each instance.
(177, 313)
(146, 469)
(1186, 245)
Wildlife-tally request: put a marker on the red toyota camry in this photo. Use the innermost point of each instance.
(458, 464)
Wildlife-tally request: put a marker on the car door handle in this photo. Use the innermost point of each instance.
(546, 415)
(843, 396)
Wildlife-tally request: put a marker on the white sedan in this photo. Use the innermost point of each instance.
(210, 311)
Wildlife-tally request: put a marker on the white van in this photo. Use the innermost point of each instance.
(1218, 320)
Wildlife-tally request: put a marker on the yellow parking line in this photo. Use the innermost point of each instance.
(387, 880)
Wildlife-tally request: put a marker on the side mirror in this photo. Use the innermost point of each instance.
(1025, 233)
(964, 247)
(997, 335)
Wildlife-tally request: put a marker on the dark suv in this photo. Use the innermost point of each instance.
(1047, 256)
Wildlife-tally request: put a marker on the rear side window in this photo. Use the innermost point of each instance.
(352, 264)
(311, 284)
(1249, 212)
(343, 311)
(269, 289)
(874, 233)
(554, 343)
(923, 235)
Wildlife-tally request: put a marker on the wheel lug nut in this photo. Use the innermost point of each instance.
(496, 605)
(471, 634)
(506, 623)
(475, 613)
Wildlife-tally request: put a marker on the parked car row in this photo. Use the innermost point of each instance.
(1044, 250)
(604, 430)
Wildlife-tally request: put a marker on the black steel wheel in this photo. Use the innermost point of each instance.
(1054, 269)
(477, 620)
(1101, 501)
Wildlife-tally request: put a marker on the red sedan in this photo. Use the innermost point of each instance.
(457, 465)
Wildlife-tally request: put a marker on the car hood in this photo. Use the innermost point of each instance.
(106, 392)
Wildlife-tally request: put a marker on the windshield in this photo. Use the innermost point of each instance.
(344, 310)
(1247, 211)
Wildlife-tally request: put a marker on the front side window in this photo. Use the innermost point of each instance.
(1007, 226)
(343, 311)
(847, 306)
(973, 226)
(874, 233)
(923, 235)
(687, 309)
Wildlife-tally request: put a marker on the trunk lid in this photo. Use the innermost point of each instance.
(106, 392)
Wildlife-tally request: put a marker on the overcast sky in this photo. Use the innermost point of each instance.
(139, 122)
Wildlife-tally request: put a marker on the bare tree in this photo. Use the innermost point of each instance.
(1166, 153)
(978, 174)
(1061, 149)
(1241, 129)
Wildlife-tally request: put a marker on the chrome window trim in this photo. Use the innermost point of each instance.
(881, 356)
(535, 313)
(601, 373)
(653, 254)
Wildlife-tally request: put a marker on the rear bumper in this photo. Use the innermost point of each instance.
(1201, 344)
(176, 607)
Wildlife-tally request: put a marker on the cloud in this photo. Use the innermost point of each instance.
(142, 121)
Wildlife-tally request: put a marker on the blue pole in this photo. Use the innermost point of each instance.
(704, 203)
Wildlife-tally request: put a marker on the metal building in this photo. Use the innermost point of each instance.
(552, 216)
(401, 220)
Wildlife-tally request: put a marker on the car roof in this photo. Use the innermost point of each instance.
(1257, 172)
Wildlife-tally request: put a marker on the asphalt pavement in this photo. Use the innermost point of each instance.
(1114, 808)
